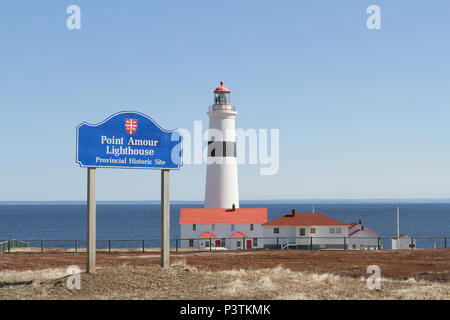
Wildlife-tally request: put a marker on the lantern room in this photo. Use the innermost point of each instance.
(222, 95)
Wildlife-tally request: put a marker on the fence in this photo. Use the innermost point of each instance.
(216, 244)
(11, 244)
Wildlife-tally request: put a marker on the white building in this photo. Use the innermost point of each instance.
(305, 231)
(221, 173)
(248, 228)
(362, 238)
(238, 228)
(404, 243)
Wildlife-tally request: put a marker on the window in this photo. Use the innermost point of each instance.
(222, 149)
(302, 231)
(213, 227)
(312, 230)
(252, 227)
(194, 227)
(207, 244)
(276, 230)
(232, 227)
(255, 242)
(223, 243)
(332, 230)
(338, 230)
(191, 243)
(238, 244)
(222, 98)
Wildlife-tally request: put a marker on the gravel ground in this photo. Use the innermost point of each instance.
(419, 274)
(184, 282)
(432, 265)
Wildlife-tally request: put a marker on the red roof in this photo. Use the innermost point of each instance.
(207, 235)
(238, 235)
(353, 224)
(222, 88)
(365, 229)
(354, 232)
(305, 219)
(240, 215)
(401, 236)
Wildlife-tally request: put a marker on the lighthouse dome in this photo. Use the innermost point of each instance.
(222, 88)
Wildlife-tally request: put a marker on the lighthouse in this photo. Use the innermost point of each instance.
(222, 224)
(221, 170)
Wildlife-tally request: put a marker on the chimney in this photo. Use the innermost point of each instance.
(292, 214)
(360, 222)
(362, 228)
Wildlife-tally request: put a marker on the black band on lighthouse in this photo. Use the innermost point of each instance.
(222, 149)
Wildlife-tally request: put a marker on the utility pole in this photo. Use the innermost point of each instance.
(398, 227)
(398, 223)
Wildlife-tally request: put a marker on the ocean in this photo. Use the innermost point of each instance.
(141, 220)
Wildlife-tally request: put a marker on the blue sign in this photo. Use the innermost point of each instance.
(128, 140)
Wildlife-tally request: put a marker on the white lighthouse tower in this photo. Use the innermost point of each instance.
(221, 171)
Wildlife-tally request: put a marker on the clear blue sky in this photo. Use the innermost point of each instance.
(362, 114)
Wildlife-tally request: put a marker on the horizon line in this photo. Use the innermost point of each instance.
(310, 200)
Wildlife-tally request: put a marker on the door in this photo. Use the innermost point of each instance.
(249, 244)
(217, 243)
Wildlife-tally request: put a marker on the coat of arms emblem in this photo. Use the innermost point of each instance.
(131, 125)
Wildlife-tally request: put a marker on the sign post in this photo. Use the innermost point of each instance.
(165, 218)
(91, 220)
(128, 140)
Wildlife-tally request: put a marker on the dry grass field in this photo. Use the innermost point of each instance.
(420, 274)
